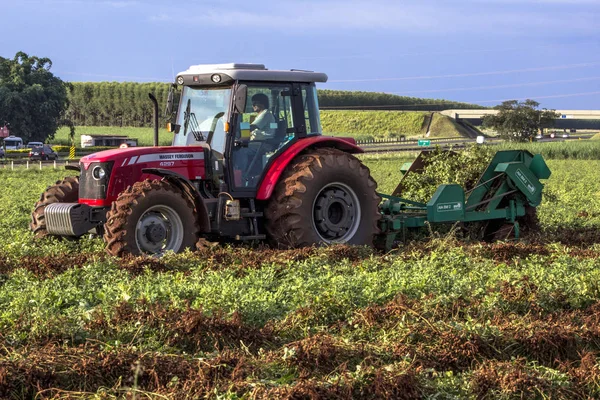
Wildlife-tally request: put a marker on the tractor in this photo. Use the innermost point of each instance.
(249, 163)
(224, 177)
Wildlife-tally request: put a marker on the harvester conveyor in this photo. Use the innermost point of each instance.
(508, 187)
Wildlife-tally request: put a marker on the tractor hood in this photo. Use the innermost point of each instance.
(139, 155)
(124, 167)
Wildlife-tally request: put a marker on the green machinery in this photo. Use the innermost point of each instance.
(508, 187)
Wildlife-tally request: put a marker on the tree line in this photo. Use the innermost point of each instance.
(127, 104)
(345, 99)
(114, 103)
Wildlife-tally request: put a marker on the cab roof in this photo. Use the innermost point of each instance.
(252, 72)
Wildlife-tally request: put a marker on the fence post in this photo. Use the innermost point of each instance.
(27, 164)
(12, 165)
(40, 165)
(54, 164)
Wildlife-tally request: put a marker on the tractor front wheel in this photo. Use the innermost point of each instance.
(325, 196)
(65, 191)
(150, 217)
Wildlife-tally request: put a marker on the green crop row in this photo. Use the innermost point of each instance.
(571, 149)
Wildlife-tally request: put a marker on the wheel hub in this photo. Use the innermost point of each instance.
(156, 233)
(159, 229)
(336, 213)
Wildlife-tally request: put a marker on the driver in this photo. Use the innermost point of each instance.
(261, 126)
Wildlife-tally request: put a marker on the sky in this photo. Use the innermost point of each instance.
(475, 51)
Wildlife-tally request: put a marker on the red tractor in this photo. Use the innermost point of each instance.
(248, 162)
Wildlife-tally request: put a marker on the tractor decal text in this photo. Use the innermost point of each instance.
(528, 185)
(443, 207)
(170, 157)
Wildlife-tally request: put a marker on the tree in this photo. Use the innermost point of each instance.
(32, 100)
(520, 121)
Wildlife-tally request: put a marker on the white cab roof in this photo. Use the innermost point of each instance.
(255, 72)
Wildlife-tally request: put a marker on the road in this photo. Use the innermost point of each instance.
(412, 145)
(370, 147)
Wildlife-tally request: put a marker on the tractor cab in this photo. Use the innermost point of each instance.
(246, 114)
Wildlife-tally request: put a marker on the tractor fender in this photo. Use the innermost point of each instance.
(271, 177)
(188, 189)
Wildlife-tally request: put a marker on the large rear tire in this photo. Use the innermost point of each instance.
(65, 191)
(325, 196)
(151, 217)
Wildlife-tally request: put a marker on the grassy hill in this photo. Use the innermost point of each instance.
(357, 124)
(443, 126)
(388, 124)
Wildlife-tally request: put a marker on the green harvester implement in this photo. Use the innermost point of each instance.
(508, 188)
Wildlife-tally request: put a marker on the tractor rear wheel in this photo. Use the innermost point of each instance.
(65, 191)
(325, 196)
(151, 217)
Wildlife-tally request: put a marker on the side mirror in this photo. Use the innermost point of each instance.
(173, 127)
(239, 99)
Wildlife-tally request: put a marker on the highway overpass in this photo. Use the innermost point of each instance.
(568, 119)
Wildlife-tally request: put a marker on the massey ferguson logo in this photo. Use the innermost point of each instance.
(165, 157)
(175, 156)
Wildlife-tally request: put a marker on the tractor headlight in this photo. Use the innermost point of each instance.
(98, 173)
(180, 80)
(216, 78)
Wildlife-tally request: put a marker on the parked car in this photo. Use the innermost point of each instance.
(31, 145)
(44, 152)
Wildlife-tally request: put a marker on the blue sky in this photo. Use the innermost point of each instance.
(478, 51)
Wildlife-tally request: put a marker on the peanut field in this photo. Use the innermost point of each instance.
(438, 317)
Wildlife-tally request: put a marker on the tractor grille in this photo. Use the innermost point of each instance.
(90, 185)
(68, 219)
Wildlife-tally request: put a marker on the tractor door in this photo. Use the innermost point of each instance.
(261, 131)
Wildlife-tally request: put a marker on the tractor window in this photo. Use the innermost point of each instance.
(311, 109)
(202, 111)
(267, 124)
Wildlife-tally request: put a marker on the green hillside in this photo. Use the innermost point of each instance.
(388, 124)
(127, 104)
(363, 125)
(444, 126)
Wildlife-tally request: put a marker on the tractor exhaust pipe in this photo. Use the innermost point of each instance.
(155, 103)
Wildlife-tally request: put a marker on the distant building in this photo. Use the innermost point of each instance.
(107, 140)
(4, 132)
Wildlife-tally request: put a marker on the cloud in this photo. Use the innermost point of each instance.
(426, 17)
(545, 18)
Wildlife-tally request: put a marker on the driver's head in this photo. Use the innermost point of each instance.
(260, 102)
